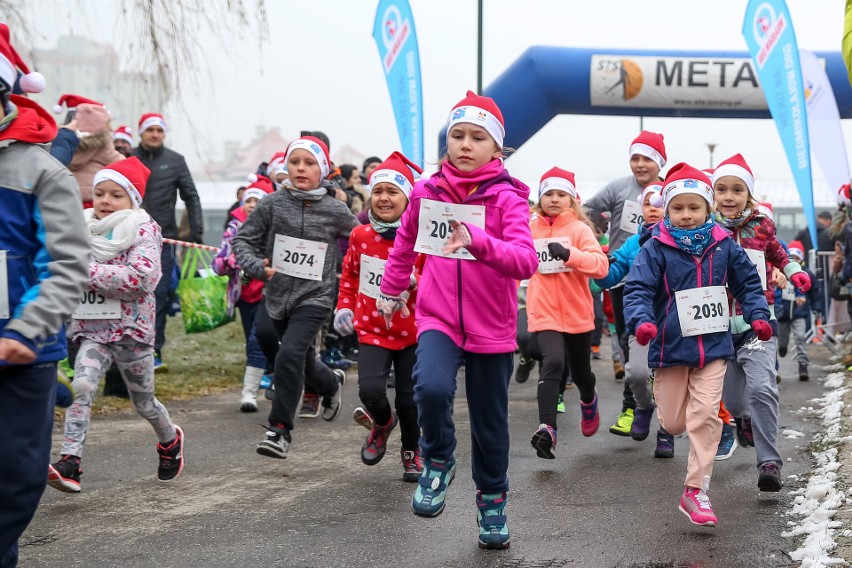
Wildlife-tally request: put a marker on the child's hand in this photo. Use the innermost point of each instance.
(559, 252)
(268, 270)
(343, 322)
(762, 329)
(460, 238)
(387, 306)
(778, 278)
(801, 281)
(15, 352)
(801, 300)
(645, 333)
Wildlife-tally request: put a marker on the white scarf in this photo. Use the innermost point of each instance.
(116, 233)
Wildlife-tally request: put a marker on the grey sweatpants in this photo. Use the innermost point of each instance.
(751, 390)
(798, 326)
(637, 374)
(135, 361)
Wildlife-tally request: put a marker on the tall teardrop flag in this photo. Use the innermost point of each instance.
(826, 134)
(396, 39)
(768, 32)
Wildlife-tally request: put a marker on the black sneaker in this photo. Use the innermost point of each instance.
(803, 372)
(665, 444)
(770, 477)
(331, 404)
(525, 367)
(65, 474)
(276, 444)
(171, 457)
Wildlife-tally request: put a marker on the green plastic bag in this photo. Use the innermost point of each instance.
(203, 300)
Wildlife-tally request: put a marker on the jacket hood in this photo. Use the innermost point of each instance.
(488, 188)
(33, 124)
(239, 214)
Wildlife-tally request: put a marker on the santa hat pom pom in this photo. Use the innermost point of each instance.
(252, 178)
(656, 200)
(33, 82)
(57, 109)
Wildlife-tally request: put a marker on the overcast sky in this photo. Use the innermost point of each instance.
(320, 70)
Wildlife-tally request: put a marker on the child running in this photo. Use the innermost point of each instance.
(793, 310)
(245, 293)
(289, 242)
(569, 254)
(472, 219)
(379, 348)
(750, 386)
(675, 300)
(115, 319)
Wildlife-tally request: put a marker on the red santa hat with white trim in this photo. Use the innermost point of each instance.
(150, 119)
(260, 187)
(396, 170)
(654, 188)
(123, 132)
(316, 147)
(129, 173)
(681, 179)
(481, 111)
(278, 162)
(796, 249)
(71, 102)
(558, 179)
(11, 63)
(735, 166)
(651, 145)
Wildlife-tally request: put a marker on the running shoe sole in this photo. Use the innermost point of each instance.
(543, 446)
(705, 524)
(362, 418)
(55, 480)
(271, 450)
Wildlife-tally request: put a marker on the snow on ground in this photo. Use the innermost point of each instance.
(814, 506)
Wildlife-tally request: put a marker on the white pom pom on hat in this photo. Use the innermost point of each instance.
(11, 63)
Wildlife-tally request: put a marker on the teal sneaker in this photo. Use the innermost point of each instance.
(428, 499)
(491, 516)
(560, 403)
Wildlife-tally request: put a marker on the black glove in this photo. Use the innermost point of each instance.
(558, 251)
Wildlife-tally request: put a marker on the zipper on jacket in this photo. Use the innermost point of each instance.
(700, 337)
(301, 236)
(461, 307)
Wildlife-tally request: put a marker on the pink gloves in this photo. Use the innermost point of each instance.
(802, 281)
(762, 329)
(645, 333)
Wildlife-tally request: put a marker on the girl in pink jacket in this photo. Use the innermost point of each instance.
(472, 220)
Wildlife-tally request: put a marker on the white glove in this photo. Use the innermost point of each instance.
(343, 323)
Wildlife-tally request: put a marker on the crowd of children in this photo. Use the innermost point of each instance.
(430, 282)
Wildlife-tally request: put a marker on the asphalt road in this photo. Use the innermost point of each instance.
(604, 502)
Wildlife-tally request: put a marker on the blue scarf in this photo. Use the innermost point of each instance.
(693, 241)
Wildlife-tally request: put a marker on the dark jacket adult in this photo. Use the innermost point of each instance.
(824, 242)
(169, 177)
(661, 269)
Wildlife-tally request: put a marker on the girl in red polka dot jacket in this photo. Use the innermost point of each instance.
(380, 347)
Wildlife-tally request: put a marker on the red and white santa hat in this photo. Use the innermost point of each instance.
(481, 111)
(651, 145)
(129, 173)
(71, 102)
(11, 63)
(123, 132)
(396, 170)
(683, 178)
(558, 179)
(767, 210)
(735, 166)
(316, 147)
(150, 119)
(278, 162)
(796, 249)
(260, 187)
(653, 189)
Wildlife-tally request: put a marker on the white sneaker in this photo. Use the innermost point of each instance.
(331, 404)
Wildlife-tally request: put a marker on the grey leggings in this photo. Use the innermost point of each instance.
(135, 361)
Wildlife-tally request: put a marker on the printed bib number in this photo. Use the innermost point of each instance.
(702, 310)
(94, 306)
(789, 293)
(4, 287)
(546, 263)
(434, 229)
(631, 216)
(758, 258)
(372, 270)
(299, 258)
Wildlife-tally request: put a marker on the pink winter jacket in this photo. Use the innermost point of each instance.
(474, 302)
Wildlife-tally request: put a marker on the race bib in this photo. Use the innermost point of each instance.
(434, 229)
(372, 270)
(299, 258)
(94, 306)
(4, 287)
(702, 310)
(631, 216)
(789, 293)
(546, 263)
(758, 258)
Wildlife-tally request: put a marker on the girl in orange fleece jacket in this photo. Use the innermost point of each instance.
(569, 254)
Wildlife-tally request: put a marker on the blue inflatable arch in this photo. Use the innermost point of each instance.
(548, 81)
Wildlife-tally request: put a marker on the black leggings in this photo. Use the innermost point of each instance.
(558, 350)
(374, 365)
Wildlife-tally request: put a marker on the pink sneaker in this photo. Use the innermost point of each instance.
(696, 505)
(590, 418)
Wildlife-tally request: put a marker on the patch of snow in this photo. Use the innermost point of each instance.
(792, 434)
